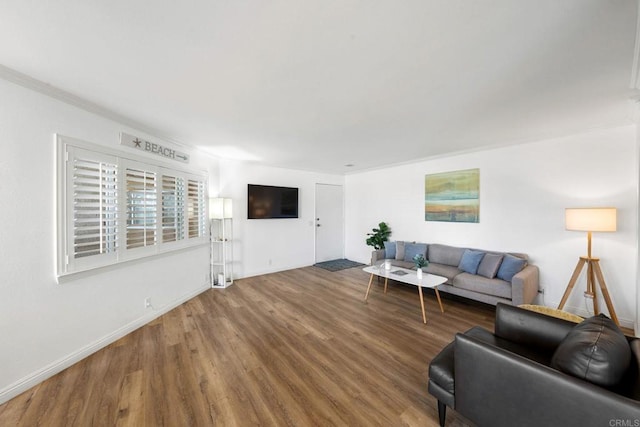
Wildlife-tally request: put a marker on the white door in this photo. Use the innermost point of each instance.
(329, 222)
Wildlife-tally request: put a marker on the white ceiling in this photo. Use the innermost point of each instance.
(316, 85)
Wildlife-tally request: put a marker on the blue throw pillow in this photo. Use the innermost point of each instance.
(510, 266)
(413, 249)
(470, 261)
(390, 250)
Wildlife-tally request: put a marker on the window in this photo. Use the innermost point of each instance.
(113, 208)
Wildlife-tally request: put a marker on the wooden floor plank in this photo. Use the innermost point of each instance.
(131, 400)
(295, 348)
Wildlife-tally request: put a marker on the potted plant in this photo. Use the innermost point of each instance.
(379, 236)
(420, 262)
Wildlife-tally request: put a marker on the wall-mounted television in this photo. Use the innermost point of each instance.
(268, 201)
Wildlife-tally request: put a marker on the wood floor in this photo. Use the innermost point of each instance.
(296, 348)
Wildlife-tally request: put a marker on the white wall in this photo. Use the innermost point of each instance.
(46, 326)
(267, 245)
(524, 190)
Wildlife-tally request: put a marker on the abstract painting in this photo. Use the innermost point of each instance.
(452, 196)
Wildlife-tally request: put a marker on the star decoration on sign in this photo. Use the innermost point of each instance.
(137, 142)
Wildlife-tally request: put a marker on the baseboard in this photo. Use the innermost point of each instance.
(59, 365)
(263, 272)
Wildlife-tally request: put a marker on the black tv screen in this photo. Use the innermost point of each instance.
(267, 201)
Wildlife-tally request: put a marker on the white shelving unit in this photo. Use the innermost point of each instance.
(221, 236)
(221, 252)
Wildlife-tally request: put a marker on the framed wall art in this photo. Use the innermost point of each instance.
(452, 196)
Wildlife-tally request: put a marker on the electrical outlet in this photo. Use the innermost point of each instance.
(541, 291)
(147, 302)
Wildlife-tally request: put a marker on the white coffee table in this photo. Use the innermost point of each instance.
(411, 278)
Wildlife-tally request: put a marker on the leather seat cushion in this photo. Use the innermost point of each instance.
(595, 350)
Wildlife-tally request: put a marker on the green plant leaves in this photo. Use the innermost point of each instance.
(379, 236)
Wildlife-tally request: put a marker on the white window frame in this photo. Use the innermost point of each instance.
(70, 148)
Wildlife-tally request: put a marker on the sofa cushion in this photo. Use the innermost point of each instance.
(470, 261)
(447, 255)
(475, 283)
(400, 250)
(390, 250)
(510, 266)
(413, 249)
(595, 350)
(489, 265)
(442, 270)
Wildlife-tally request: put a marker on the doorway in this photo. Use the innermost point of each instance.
(329, 222)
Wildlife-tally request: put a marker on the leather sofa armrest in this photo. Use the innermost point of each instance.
(524, 285)
(530, 328)
(498, 388)
(376, 256)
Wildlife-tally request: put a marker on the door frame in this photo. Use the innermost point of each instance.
(315, 220)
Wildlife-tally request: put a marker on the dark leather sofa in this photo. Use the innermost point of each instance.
(510, 377)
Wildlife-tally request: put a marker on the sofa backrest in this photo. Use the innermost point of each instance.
(451, 255)
(519, 255)
(530, 328)
(515, 254)
(445, 254)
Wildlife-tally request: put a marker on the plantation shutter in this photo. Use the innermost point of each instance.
(92, 209)
(142, 207)
(173, 196)
(196, 210)
(112, 208)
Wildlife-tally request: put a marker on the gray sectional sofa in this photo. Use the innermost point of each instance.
(487, 276)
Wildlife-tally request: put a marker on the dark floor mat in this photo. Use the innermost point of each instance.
(338, 264)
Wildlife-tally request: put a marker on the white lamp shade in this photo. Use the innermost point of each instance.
(220, 208)
(590, 219)
(227, 210)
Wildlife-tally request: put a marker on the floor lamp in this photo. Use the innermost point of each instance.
(590, 220)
